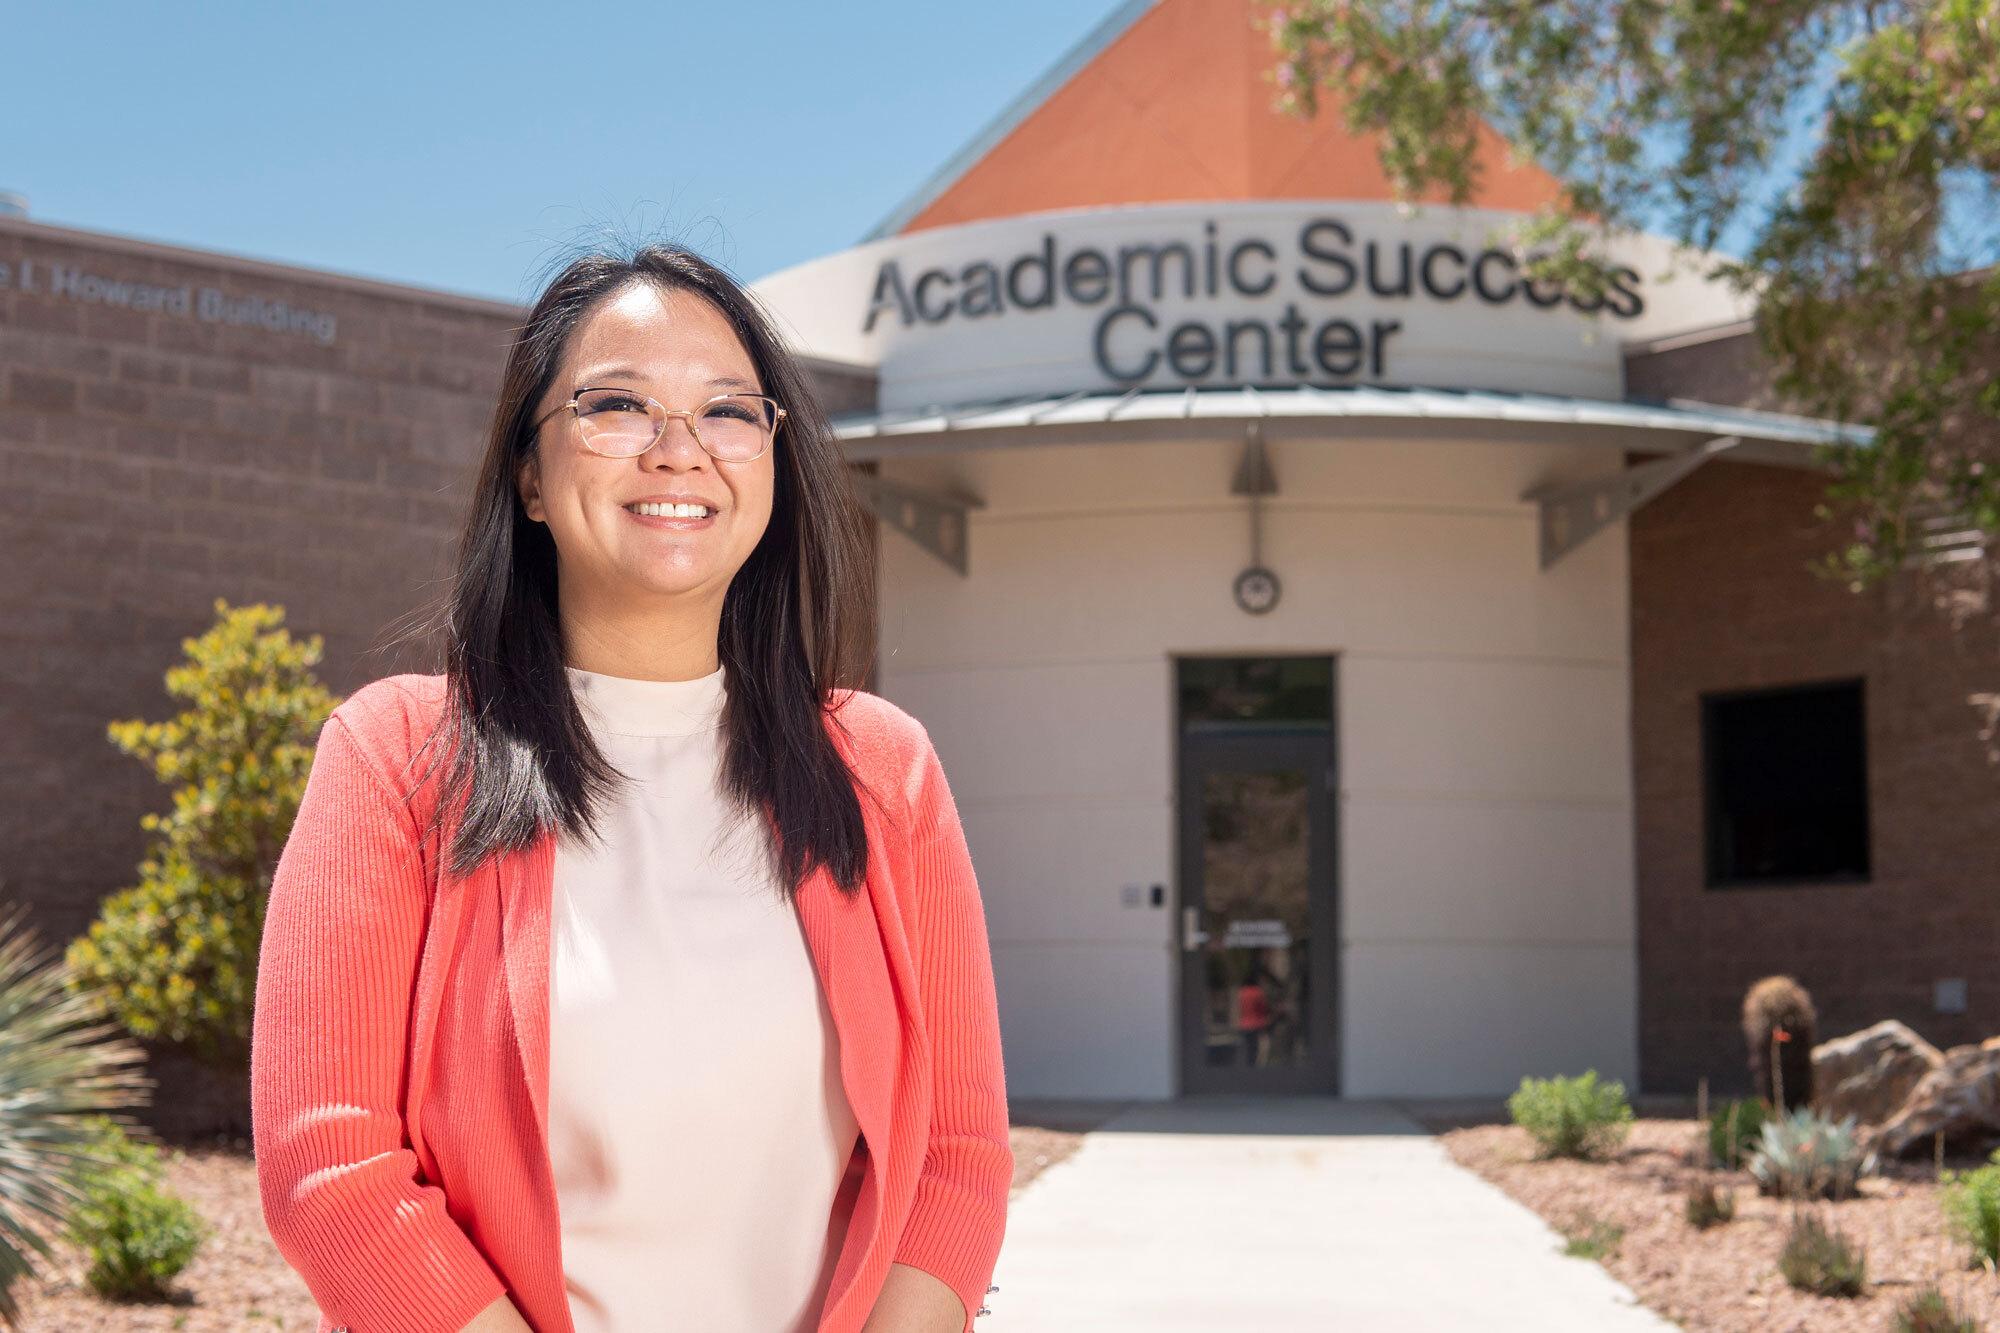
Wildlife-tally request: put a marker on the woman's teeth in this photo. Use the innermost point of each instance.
(671, 511)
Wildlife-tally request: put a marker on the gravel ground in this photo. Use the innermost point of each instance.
(239, 1282)
(1726, 1278)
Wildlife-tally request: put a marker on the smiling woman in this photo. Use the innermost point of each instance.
(719, 905)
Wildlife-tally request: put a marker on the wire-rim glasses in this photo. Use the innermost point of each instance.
(624, 423)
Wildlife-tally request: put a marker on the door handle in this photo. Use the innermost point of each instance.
(1192, 935)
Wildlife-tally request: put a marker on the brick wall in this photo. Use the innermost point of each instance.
(1721, 600)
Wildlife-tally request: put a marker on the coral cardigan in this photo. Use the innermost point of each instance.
(400, 1047)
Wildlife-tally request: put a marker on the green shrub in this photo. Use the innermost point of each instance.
(137, 1233)
(1589, 1237)
(179, 950)
(61, 1060)
(1971, 1201)
(1572, 1117)
(1928, 1311)
(1822, 1260)
(1733, 1132)
(1707, 1206)
(1804, 1155)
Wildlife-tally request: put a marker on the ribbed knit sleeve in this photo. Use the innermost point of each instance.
(960, 1209)
(336, 971)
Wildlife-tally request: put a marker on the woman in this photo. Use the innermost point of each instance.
(626, 974)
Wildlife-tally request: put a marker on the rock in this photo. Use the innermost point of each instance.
(1961, 1097)
(1869, 1074)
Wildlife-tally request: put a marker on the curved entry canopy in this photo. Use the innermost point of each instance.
(1687, 434)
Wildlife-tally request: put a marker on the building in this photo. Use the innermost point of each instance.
(1299, 598)
(1316, 620)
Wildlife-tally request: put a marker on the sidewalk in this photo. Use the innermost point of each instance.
(1225, 1214)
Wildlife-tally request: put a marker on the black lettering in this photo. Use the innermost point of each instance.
(1375, 285)
(1236, 279)
(1429, 274)
(1191, 350)
(1625, 284)
(1379, 335)
(979, 290)
(1309, 243)
(1158, 255)
(1337, 347)
(1044, 261)
(1536, 290)
(1208, 257)
(1293, 323)
(1087, 276)
(1486, 294)
(1233, 331)
(1101, 344)
(888, 288)
(923, 311)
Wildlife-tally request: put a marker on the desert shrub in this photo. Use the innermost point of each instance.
(1821, 1259)
(1572, 1117)
(1928, 1311)
(1971, 1201)
(1707, 1206)
(178, 951)
(1804, 1155)
(62, 1060)
(1590, 1237)
(1733, 1132)
(138, 1234)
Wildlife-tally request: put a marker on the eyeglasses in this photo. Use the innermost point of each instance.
(620, 423)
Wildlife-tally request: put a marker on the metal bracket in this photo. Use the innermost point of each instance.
(1253, 467)
(1574, 512)
(933, 521)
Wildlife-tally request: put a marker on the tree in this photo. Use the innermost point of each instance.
(178, 951)
(1855, 142)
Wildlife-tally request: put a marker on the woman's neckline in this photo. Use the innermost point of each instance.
(626, 706)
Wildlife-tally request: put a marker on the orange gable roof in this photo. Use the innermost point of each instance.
(1172, 105)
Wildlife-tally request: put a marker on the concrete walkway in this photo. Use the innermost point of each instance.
(1220, 1214)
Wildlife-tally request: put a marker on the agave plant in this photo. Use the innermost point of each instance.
(1802, 1154)
(62, 1060)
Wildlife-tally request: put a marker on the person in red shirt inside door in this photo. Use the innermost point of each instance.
(1253, 1014)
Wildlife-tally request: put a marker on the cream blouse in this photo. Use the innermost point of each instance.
(698, 1126)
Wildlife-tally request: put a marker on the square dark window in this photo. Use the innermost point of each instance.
(1785, 777)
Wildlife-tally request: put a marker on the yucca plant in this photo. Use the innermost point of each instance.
(63, 1060)
(1804, 1155)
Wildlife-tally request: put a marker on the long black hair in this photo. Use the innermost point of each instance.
(521, 757)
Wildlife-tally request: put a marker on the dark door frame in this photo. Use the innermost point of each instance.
(1313, 751)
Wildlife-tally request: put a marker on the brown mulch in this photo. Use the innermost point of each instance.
(1726, 1278)
(238, 1281)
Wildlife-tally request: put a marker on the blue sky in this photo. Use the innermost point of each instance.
(462, 147)
(459, 146)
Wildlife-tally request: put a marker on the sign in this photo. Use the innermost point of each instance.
(1257, 933)
(1271, 294)
(211, 305)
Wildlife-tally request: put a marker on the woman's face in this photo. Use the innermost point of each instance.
(675, 346)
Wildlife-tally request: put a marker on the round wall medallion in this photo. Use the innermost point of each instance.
(1257, 590)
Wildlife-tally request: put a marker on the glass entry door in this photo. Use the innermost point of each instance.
(1258, 919)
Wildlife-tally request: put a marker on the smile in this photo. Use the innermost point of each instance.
(680, 518)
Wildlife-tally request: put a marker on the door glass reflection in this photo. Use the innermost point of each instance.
(1255, 845)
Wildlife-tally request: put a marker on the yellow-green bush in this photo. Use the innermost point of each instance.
(1572, 1117)
(138, 1234)
(178, 951)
